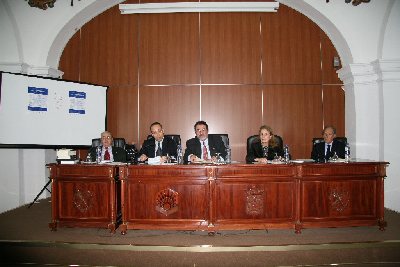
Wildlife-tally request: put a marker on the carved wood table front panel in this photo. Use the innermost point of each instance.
(218, 197)
(246, 196)
(85, 196)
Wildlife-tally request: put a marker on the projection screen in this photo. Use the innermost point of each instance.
(37, 111)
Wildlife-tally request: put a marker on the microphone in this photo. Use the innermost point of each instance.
(94, 149)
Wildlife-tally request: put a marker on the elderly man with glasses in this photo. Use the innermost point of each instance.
(109, 153)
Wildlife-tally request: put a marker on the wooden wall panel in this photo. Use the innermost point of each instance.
(177, 108)
(334, 107)
(290, 48)
(122, 112)
(235, 110)
(328, 51)
(71, 58)
(169, 48)
(276, 57)
(230, 48)
(295, 113)
(109, 49)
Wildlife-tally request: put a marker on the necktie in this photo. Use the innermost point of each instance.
(205, 152)
(328, 152)
(106, 155)
(158, 152)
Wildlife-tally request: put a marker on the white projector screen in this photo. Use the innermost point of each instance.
(36, 111)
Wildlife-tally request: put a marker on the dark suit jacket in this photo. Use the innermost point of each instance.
(194, 147)
(119, 154)
(318, 152)
(149, 147)
(256, 151)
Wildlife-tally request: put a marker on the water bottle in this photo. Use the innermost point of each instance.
(98, 153)
(179, 155)
(347, 153)
(228, 155)
(286, 153)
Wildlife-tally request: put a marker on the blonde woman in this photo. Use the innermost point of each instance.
(264, 147)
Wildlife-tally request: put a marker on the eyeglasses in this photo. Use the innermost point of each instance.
(106, 137)
(156, 132)
(201, 130)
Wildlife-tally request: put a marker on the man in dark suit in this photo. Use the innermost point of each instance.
(203, 147)
(108, 152)
(158, 145)
(324, 150)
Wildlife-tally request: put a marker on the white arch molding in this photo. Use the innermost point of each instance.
(98, 7)
(72, 26)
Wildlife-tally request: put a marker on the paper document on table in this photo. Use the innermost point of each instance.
(154, 161)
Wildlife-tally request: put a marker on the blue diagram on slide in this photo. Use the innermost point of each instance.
(77, 102)
(37, 98)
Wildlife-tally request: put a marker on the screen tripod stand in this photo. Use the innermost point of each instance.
(41, 191)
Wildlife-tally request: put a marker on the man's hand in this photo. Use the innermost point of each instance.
(261, 160)
(193, 158)
(143, 157)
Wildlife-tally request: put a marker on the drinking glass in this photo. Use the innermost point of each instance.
(88, 159)
(276, 158)
(334, 157)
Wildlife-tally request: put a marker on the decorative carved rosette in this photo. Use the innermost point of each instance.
(83, 200)
(339, 200)
(167, 201)
(42, 4)
(255, 196)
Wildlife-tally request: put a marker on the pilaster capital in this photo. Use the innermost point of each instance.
(380, 70)
(388, 70)
(358, 73)
(18, 67)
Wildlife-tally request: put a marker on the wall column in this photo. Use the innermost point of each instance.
(388, 72)
(364, 111)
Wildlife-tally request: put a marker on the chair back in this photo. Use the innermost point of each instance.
(96, 142)
(317, 140)
(175, 137)
(278, 141)
(250, 140)
(117, 142)
(224, 137)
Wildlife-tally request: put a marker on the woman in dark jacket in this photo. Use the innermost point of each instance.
(264, 148)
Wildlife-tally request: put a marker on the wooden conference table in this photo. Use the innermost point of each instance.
(218, 197)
